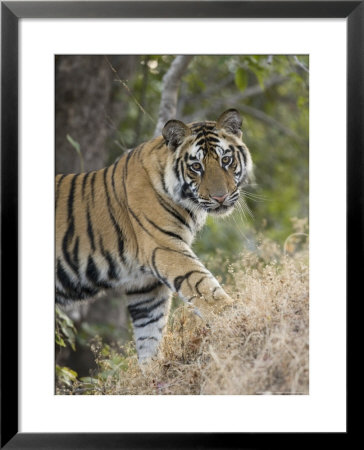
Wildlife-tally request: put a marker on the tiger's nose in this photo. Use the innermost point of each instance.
(220, 197)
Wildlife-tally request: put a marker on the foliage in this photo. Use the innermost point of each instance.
(65, 376)
(257, 346)
(65, 330)
(65, 335)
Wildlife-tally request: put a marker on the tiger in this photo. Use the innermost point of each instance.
(131, 225)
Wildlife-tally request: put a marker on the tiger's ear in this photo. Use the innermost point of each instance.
(230, 121)
(174, 132)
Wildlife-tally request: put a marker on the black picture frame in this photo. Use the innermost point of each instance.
(11, 12)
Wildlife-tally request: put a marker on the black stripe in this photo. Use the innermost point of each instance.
(117, 228)
(126, 201)
(198, 284)
(136, 306)
(198, 127)
(143, 313)
(180, 279)
(139, 222)
(214, 290)
(139, 149)
(93, 178)
(144, 290)
(92, 271)
(143, 302)
(180, 252)
(63, 278)
(113, 181)
(90, 230)
(58, 186)
(71, 229)
(234, 196)
(128, 156)
(156, 272)
(242, 151)
(178, 282)
(61, 178)
(154, 265)
(74, 291)
(66, 242)
(141, 325)
(172, 211)
(175, 168)
(144, 338)
(93, 274)
(124, 182)
(75, 252)
(191, 214)
(168, 233)
(239, 156)
(112, 272)
(86, 175)
(185, 191)
(163, 181)
(71, 196)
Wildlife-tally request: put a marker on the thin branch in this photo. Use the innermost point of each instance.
(256, 113)
(143, 100)
(171, 83)
(122, 82)
(300, 64)
(234, 99)
(263, 117)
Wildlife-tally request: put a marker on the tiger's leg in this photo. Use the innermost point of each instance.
(149, 307)
(184, 273)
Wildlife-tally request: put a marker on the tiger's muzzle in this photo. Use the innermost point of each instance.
(221, 203)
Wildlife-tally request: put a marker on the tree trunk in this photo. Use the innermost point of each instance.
(171, 83)
(84, 107)
(87, 112)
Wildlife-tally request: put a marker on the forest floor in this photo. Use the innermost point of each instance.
(259, 345)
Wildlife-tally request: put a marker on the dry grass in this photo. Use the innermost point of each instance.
(257, 346)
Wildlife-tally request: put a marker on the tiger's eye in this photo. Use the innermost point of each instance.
(196, 166)
(226, 159)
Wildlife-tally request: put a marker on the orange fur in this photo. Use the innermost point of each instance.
(132, 224)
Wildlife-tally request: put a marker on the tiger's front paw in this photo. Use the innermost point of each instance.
(216, 302)
(220, 296)
(222, 301)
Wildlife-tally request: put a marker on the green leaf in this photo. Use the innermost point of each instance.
(65, 330)
(74, 144)
(66, 375)
(60, 341)
(89, 380)
(77, 147)
(241, 78)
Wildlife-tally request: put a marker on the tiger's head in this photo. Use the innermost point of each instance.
(210, 163)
